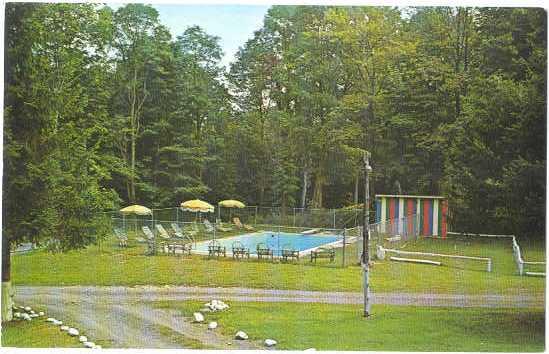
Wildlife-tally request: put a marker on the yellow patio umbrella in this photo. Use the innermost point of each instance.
(197, 205)
(231, 203)
(136, 209)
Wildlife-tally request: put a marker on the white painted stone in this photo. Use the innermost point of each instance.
(198, 317)
(32, 312)
(57, 322)
(212, 325)
(33, 315)
(41, 313)
(82, 339)
(26, 316)
(241, 335)
(50, 319)
(17, 314)
(28, 309)
(64, 328)
(73, 332)
(270, 342)
(89, 344)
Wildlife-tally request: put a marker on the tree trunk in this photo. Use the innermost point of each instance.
(318, 193)
(305, 186)
(355, 200)
(7, 295)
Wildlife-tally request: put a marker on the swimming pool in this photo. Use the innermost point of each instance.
(274, 240)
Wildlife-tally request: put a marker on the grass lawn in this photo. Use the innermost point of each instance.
(36, 334)
(391, 328)
(110, 265)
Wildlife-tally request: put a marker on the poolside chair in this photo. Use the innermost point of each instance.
(122, 237)
(215, 249)
(208, 225)
(219, 226)
(239, 251)
(323, 252)
(241, 225)
(151, 247)
(264, 250)
(162, 232)
(288, 252)
(177, 232)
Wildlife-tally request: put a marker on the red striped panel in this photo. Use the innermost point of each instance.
(443, 227)
(426, 212)
(409, 212)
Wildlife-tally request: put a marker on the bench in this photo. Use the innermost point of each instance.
(288, 253)
(239, 251)
(215, 249)
(323, 252)
(263, 250)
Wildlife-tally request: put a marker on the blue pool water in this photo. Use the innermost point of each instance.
(274, 240)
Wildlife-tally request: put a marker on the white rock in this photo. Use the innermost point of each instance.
(50, 319)
(212, 325)
(32, 312)
(34, 315)
(57, 322)
(17, 314)
(64, 328)
(26, 316)
(73, 332)
(310, 350)
(198, 317)
(28, 309)
(82, 339)
(89, 344)
(241, 335)
(270, 342)
(41, 313)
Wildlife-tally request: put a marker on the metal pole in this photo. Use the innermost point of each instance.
(366, 234)
(334, 211)
(344, 245)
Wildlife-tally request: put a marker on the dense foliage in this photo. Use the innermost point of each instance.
(105, 108)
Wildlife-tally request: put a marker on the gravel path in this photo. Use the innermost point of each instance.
(126, 318)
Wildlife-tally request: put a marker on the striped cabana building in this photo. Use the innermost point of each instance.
(431, 212)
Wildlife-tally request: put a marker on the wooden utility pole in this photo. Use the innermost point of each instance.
(366, 234)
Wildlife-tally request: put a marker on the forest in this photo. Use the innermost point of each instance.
(105, 108)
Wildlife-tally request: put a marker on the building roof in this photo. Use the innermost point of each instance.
(409, 196)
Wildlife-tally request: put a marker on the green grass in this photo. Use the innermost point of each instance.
(36, 334)
(110, 265)
(391, 328)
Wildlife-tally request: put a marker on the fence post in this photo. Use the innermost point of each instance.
(344, 245)
(255, 217)
(334, 211)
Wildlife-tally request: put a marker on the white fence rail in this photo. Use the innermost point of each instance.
(519, 261)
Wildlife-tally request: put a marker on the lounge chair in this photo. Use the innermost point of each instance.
(241, 225)
(208, 226)
(122, 237)
(239, 251)
(219, 226)
(151, 247)
(177, 232)
(162, 232)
